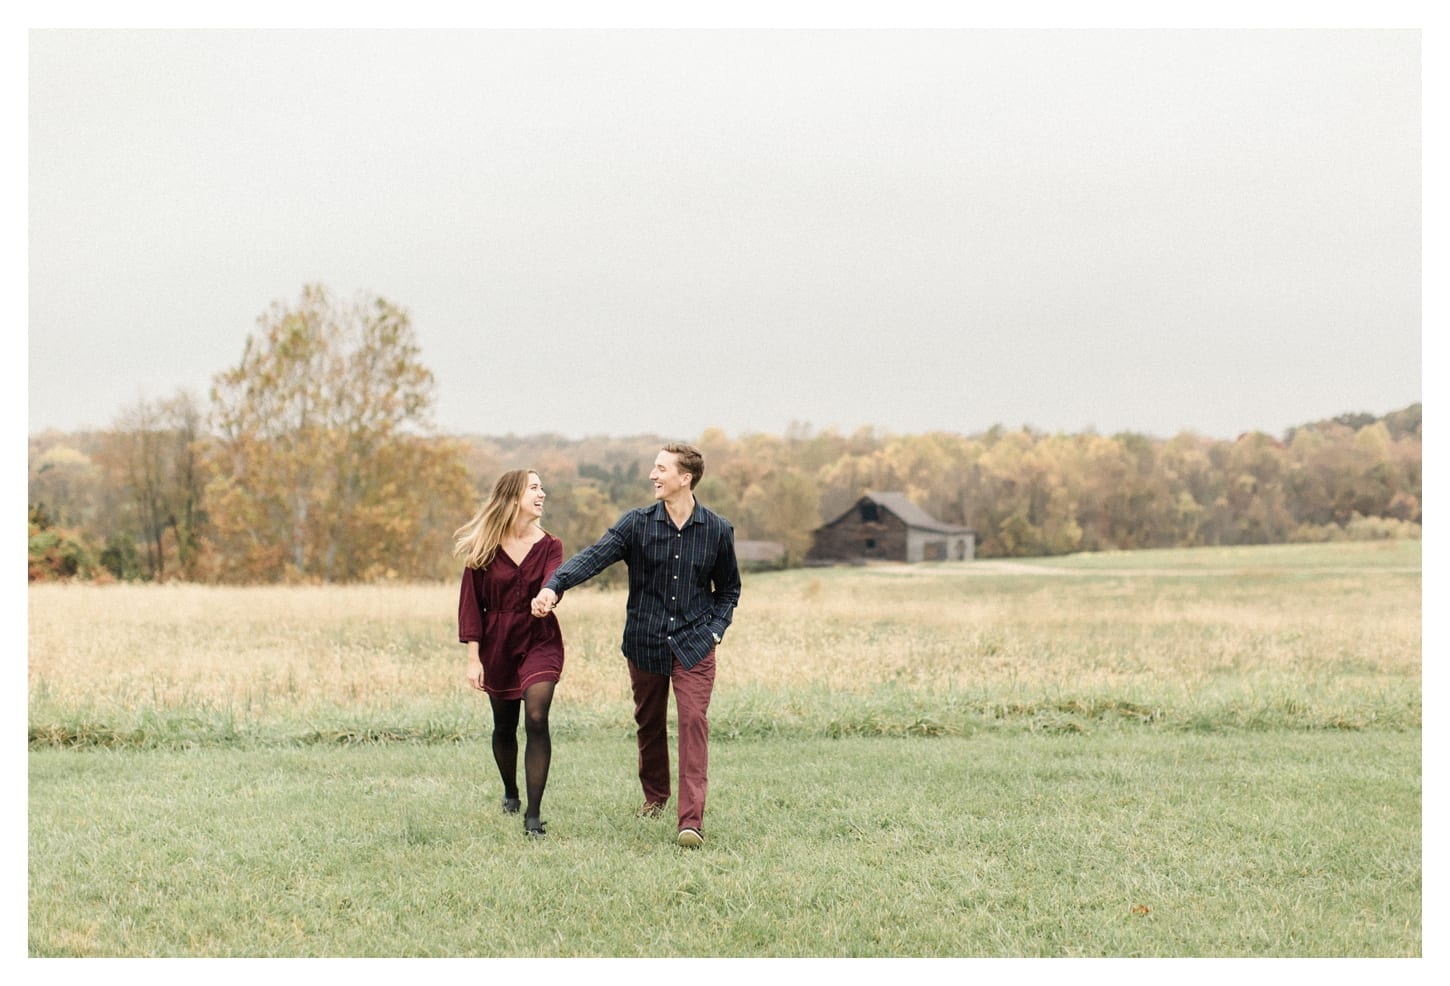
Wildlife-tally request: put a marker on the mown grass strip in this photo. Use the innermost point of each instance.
(1115, 843)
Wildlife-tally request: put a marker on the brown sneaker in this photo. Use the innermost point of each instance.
(690, 839)
(652, 809)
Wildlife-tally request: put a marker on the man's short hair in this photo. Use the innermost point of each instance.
(692, 460)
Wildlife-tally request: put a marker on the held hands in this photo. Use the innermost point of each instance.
(544, 602)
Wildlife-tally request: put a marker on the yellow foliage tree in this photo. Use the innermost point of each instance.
(322, 470)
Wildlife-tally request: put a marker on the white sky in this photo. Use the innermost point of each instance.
(627, 231)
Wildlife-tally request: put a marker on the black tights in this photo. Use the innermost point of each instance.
(537, 751)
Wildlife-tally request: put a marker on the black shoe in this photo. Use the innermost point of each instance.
(533, 828)
(511, 806)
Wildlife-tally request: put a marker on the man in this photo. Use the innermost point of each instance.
(684, 584)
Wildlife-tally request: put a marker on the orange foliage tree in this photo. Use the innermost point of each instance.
(322, 469)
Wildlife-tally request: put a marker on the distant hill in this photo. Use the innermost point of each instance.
(1402, 423)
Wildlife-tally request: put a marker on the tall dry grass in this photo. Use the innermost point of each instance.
(1334, 629)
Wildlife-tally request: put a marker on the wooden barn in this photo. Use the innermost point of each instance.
(889, 527)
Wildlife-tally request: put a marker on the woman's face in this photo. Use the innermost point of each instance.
(531, 500)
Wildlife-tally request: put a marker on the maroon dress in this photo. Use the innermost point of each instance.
(516, 647)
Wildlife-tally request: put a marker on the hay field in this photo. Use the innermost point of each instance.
(1319, 636)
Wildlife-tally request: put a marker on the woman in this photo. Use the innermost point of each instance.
(512, 656)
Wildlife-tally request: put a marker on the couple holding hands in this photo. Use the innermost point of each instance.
(684, 584)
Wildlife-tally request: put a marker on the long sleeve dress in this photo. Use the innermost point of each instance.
(516, 647)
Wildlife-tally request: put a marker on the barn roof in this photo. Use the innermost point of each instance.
(911, 514)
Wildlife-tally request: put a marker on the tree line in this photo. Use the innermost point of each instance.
(314, 460)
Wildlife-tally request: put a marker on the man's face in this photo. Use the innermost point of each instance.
(667, 476)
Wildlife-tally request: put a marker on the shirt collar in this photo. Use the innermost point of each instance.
(662, 514)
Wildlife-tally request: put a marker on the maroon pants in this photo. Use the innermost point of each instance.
(692, 701)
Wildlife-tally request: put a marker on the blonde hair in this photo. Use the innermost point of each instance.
(478, 540)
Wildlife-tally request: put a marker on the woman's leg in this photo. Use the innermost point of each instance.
(538, 751)
(506, 743)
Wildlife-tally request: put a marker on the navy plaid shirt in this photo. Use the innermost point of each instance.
(684, 583)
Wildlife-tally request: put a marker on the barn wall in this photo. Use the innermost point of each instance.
(932, 546)
(847, 539)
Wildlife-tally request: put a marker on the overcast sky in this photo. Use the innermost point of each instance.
(622, 232)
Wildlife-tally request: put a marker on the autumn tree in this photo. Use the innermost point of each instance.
(1119, 506)
(1192, 485)
(782, 506)
(152, 453)
(64, 484)
(1254, 506)
(1026, 504)
(323, 468)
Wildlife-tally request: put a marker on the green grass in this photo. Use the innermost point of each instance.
(1262, 844)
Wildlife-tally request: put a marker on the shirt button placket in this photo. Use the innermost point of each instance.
(674, 600)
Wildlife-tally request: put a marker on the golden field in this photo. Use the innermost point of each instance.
(1335, 627)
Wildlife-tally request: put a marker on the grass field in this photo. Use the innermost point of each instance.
(1211, 752)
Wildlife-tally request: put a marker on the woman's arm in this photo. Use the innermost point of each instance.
(475, 666)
